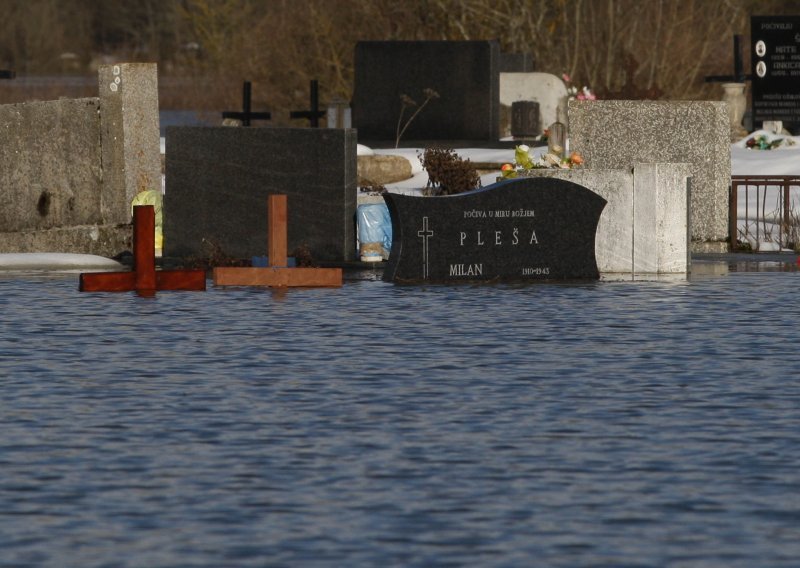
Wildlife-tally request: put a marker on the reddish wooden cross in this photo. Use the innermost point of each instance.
(277, 274)
(144, 279)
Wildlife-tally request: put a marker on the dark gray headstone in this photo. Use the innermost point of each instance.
(218, 180)
(775, 56)
(520, 229)
(464, 73)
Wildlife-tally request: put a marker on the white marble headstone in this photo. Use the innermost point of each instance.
(546, 89)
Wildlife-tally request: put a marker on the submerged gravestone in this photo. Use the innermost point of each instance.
(465, 74)
(129, 134)
(612, 134)
(514, 230)
(644, 229)
(218, 180)
(69, 168)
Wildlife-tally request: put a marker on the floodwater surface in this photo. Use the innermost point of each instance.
(598, 424)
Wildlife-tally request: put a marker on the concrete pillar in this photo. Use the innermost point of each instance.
(129, 135)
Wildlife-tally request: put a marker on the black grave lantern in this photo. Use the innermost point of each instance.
(525, 119)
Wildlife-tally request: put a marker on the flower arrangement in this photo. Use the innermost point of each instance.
(583, 94)
(447, 172)
(524, 161)
(762, 142)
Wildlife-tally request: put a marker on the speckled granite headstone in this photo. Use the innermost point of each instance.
(521, 229)
(619, 134)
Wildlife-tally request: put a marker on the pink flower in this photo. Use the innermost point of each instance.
(586, 95)
(565, 77)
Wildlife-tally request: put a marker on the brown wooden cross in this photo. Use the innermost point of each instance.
(144, 279)
(277, 274)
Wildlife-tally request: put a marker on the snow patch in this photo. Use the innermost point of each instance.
(56, 261)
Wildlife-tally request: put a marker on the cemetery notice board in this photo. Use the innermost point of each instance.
(218, 180)
(515, 230)
(775, 59)
(464, 73)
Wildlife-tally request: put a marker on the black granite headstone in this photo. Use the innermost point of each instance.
(218, 180)
(464, 73)
(514, 230)
(775, 56)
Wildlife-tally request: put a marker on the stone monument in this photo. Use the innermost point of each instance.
(218, 180)
(544, 88)
(129, 135)
(514, 230)
(619, 134)
(775, 59)
(69, 168)
(643, 232)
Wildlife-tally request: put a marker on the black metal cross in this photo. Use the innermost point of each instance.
(6, 74)
(246, 115)
(314, 114)
(739, 76)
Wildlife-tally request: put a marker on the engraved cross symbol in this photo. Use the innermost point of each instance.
(425, 233)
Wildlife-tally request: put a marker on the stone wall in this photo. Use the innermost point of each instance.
(69, 168)
(50, 170)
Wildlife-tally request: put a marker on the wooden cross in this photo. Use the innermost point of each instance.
(6, 74)
(246, 115)
(144, 279)
(277, 274)
(314, 114)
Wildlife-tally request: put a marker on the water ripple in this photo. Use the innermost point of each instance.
(601, 424)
